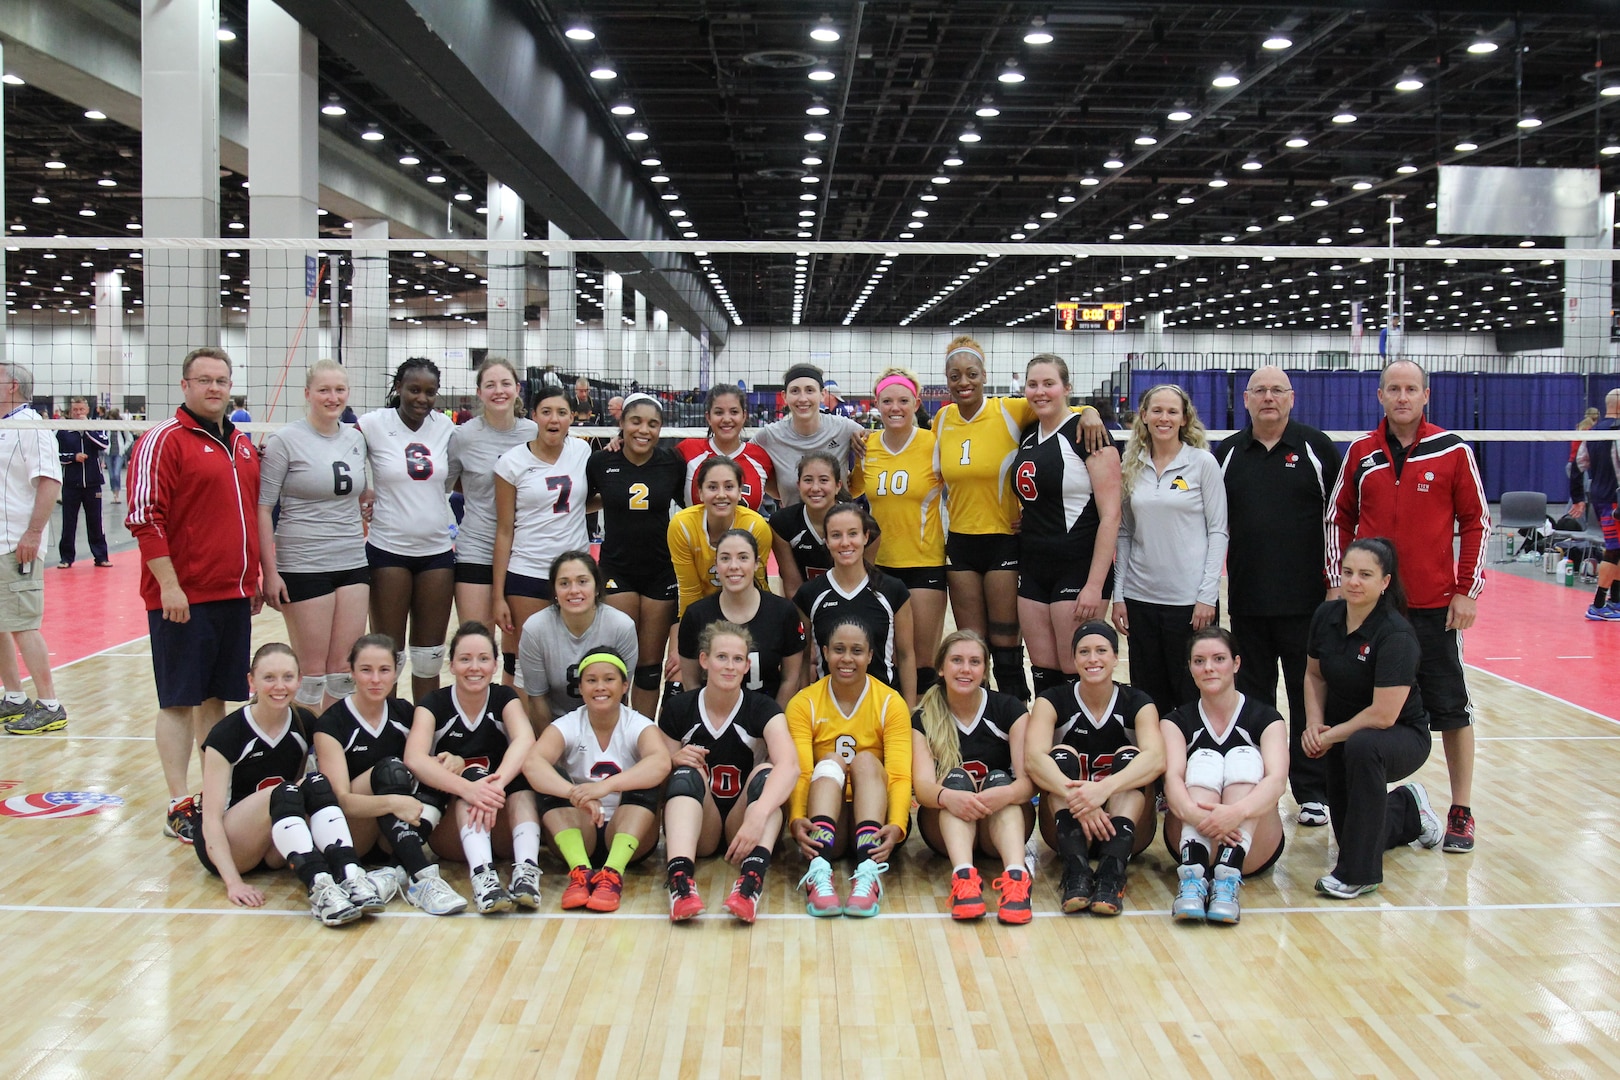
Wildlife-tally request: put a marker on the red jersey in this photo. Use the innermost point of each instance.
(195, 499)
(756, 467)
(1435, 492)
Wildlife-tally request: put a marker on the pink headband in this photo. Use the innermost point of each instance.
(889, 380)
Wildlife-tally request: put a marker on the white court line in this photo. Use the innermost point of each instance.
(1572, 658)
(1543, 693)
(1520, 738)
(1493, 658)
(103, 652)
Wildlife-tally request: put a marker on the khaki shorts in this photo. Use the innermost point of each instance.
(22, 597)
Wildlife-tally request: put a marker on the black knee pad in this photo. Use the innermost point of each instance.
(643, 797)
(1122, 758)
(1068, 762)
(318, 793)
(509, 662)
(648, 675)
(433, 797)
(286, 801)
(1047, 678)
(926, 677)
(997, 778)
(756, 786)
(685, 782)
(958, 779)
(390, 777)
(474, 773)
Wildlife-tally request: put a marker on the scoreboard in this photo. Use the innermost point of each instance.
(1108, 318)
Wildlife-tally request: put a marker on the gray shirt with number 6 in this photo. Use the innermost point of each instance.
(317, 479)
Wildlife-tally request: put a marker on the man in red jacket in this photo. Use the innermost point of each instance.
(1417, 485)
(193, 506)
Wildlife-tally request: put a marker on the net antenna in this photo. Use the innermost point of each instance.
(311, 294)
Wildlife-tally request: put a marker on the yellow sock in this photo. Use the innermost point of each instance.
(570, 845)
(624, 848)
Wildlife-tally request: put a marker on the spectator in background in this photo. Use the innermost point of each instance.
(1577, 475)
(30, 479)
(80, 455)
(239, 413)
(1278, 474)
(117, 443)
(585, 414)
(616, 410)
(1599, 459)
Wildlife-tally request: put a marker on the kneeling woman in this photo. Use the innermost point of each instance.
(598, 770)
(734, 766)
(1226, 764)
(360, 749)
(1094, 747)
(854, 741)
(967, 757)
(466, 746)
(260, 810)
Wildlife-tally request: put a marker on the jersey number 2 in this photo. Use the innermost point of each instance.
(638, 496)
(1024, 481)
(418, 462)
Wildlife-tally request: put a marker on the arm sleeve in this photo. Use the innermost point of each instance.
(686, 572)
(1214, 491)
(1474, 524)
(149, 494)
(98, 442)
(897, 759)
(1397, 661)
(1339, 522)
(532, 663)
(64, 453)
(273, 465)
(45, 460)
(798, 720)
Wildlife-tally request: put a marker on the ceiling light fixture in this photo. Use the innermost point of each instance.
(953, 159)
(603, 72)
(817, 107)
(1409, 81)
(55, 163)
(622, 108)
(1252, 164)
(225, 33)
(371, 134)
(1225, 78)
(1037, 34)
(1114, 162)
(1146, 138)
(1528, 122)
(1010, 73)
(1466, 146)
(12, 80)
(824, 30)
(969, 135)
(1406, 168)
(579, 32)
(94, 114)
(987, 107)
(815, 135)
(1481, 47)
(1277, 42)
(637, 133)
(1344, 115)
(1297, 141)
(811, 160)
(1217, 181)
(1090, 179)
(409, 158)
(332, 107)
(1179, 114)
(822, 75)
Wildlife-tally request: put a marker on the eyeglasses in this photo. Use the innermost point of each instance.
(224, 381)
(1270, 391)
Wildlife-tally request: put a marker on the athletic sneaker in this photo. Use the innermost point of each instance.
(1312, 814)
(578, 892)
(684, 901)
(1013, 907)
(38, 720)
(329, 903)
(1603, 613)
(1459, 831)
(743, 902)
(865, 889)
(1193, 896)
(181, 822)
(434, 895)
(1108, 898)
(389, 881)
(1339, 890)
(607, 887)
(1077, 885)
(1611, 612)
(967, 894)
(14, 710)
(525, 887)
(1223, 896)
(488, 894)
(363, 894)
(820, 898)
(1430, 831)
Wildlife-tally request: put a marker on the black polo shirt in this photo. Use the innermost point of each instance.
(1276, 500)
(1382, 652)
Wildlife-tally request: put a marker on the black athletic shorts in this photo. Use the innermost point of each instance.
(655, 581)
(1053, 581)
(206, 657)
(918, 577)
(1440, 671)
(475, 573)
(416, 564)
(200, 846)
(301, 587)
(534, 588)
(981, 552)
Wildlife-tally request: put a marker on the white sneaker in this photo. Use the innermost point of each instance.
(362, 893)
(1340, 890)
(389, 881)
(1432, 829)
(525, 887)
(488, 893)
(329, 903)
(434, 895)
(1312, 814)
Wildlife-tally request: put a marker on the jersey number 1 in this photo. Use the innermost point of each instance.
(967, 446)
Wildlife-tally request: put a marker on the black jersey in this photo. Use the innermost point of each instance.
(810, 554)
(479, 739)
(257, 761)
(362, 746)
(736, 743)
(984, 743)
(1050, 477)
(1096, 738)
(875, 603)
(776, 629)
(635, 503)
(1253, 717)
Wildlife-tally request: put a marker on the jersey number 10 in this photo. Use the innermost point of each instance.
(898, 486)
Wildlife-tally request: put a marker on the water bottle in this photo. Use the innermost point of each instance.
(1566, 571)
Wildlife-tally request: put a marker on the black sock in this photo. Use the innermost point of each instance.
(307, 864)
(926, 677)
(1232, 855)
(406, 843)
(1194, 854)
(1124, 838)
(1071, 838)
(1602, 596)
(823, 835)
(1007, 663)
(1614, 593)
(1045, 678)
(757, 862)
(680, 865)
(868, 834)
(340, 857)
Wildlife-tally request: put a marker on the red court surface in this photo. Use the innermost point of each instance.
(1536, 634)
(88, 609)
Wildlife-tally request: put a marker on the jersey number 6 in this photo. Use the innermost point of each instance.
(844, 747)
(1024, 481)
(342, 482)
(418, 461)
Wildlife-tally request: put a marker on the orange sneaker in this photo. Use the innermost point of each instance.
(606, 888)
(967, 894)
(578, 892)
(1014, 908)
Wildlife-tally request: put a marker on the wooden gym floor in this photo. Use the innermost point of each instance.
(122, 958)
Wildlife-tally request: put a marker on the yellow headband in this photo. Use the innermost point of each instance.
(604, 658)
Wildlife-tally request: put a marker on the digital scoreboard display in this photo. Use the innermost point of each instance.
(1106, 318)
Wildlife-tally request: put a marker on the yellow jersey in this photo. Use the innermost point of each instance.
(693, 554)
(880, 723)
(975, 459)
(904, 495)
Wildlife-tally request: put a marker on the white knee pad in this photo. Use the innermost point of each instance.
(827, 770)
(340, 685)
(1206, 769)
(426, 660)
(310, 691)
(1244, 765)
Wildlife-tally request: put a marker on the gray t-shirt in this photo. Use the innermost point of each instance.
(549, 656)
(474, 449)
(317, 479)
(787, 446)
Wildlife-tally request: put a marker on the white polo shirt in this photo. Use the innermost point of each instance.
(27, 455)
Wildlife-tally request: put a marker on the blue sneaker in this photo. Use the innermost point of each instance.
(1192, 895)
(1594, 613)
(1223, 896)
(1611, 612)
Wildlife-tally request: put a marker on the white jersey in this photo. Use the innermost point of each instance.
(474, 449)
(585, 760)
(550, 515)
(412, 513)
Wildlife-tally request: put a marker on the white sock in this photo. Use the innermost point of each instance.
(526, 842)
(15, 697)
(475, 845)
(49, 703)
(291, 837)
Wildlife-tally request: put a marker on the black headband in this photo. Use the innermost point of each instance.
(1098, 627)
(801, 371)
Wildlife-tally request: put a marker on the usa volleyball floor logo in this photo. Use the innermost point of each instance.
(58, 804)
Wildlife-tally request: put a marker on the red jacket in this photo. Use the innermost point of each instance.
(1439, 492)
(196, 500)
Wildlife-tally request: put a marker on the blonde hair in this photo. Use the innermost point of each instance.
(939, 726)
(321, 367)
(1138, 450)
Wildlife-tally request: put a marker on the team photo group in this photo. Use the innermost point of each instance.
(621, 669)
